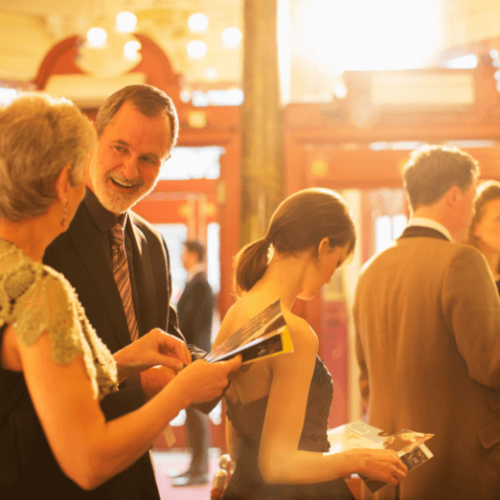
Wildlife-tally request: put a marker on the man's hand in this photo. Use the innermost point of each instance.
(153, 349)
(155, 379)
(204, 381)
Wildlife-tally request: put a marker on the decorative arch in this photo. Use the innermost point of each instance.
(155, 64)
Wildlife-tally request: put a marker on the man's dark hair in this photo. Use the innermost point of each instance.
(148, 100)
(196, 247)
(432, 170)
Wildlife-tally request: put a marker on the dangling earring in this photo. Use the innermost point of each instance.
(65, 213)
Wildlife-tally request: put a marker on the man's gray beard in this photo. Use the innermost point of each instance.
(119, 203)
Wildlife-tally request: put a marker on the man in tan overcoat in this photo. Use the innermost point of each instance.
(427, 318)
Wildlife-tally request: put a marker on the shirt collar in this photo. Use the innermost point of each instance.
(430, 223)
(103, 218)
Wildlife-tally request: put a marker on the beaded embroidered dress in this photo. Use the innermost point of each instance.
(248, 421)
(36, 299)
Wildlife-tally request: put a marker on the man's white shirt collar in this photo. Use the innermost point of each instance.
(430, 223)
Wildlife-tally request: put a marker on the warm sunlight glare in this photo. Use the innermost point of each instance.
(370, 35)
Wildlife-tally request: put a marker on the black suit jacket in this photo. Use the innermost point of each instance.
(80, 254)
(195, 310)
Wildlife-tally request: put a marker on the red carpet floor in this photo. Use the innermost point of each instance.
(178, 461)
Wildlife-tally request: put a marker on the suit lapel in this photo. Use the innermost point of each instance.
(91, 253)
(144, 279)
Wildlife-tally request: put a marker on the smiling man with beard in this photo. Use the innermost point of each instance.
(130, 152)
(117, 262)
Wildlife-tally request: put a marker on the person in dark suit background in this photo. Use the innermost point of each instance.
(137, 128)
(195, 310)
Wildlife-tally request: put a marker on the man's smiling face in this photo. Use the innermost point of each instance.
(126, 164)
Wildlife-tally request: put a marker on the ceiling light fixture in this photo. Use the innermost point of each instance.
(131, 49)
(197, 49)
(198, 22)
(126, 22)
(231, 38)
(97, 37)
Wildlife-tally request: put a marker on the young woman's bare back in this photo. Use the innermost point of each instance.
(254, 380)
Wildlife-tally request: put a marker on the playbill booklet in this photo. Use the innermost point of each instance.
(264, 335)
(409, 445)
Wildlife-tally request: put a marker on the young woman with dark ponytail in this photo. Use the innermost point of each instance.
(278, 407)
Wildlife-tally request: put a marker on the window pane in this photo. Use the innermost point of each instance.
(192, 163)
(398, 224)
(383, 233)
(213, 256)
(175, 235)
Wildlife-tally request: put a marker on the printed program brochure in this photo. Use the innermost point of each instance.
(409, 445)
(264, 335)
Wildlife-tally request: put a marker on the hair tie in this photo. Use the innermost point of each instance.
(266, 237)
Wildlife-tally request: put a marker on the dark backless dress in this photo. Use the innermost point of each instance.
(248, 421)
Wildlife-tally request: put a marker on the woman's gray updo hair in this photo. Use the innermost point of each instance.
(39, 135)
(300, 222)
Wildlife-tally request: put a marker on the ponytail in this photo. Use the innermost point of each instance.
(301, 221)
(250, 264)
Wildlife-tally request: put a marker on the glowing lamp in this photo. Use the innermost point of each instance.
(197, 49)
(126, 22)
(131, 48)
(97, 37)
(198, 22)
(231, 37)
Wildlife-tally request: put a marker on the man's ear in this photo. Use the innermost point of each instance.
(62, 184)
(452, 195)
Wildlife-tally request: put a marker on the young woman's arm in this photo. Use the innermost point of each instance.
(89, 449)
(280, 461)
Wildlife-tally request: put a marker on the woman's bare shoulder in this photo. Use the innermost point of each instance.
(227, 325)
(300, 331)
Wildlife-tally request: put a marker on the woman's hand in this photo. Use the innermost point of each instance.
(153, 349)
(204, 381)
(381, 465)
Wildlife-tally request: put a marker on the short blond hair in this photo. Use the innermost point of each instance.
(39, 135)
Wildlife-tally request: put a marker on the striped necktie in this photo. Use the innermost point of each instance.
(122, 278)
